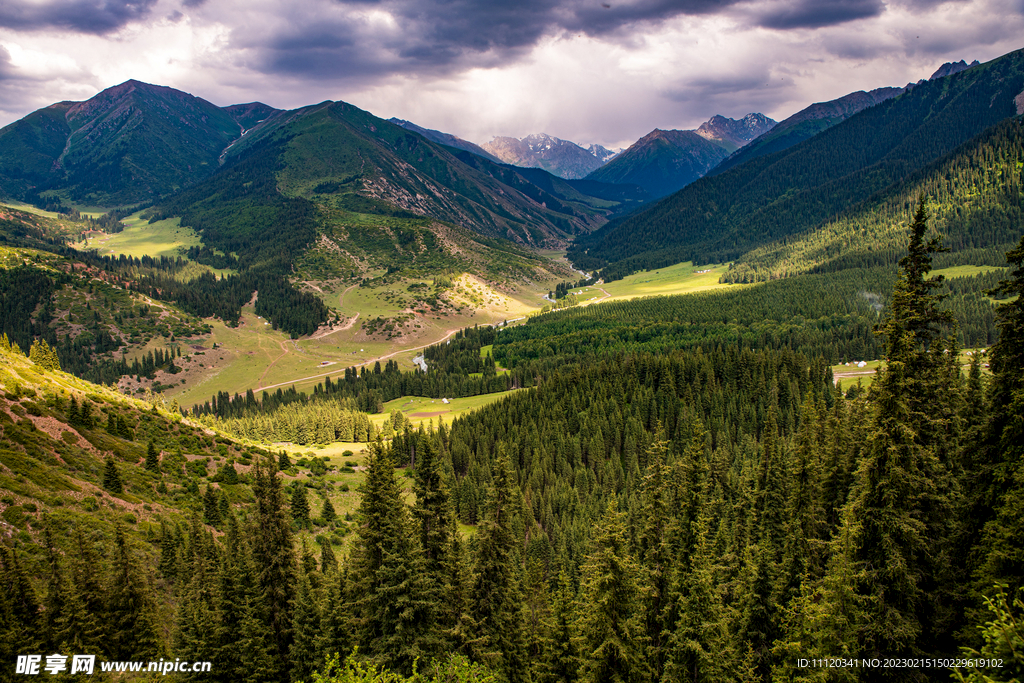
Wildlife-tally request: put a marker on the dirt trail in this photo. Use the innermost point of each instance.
(284, 352)
(367, 362)
(348, 325)
(839, 376)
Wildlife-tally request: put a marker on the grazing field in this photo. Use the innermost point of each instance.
(421, 410)
(964, 271)
(142, 238)
(28, 208)
(682, 278)
(849, 374)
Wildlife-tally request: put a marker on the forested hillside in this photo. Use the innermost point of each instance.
(975, 196)
(776, 196)
(683, 494)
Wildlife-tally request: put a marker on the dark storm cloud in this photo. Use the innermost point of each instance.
(80, 16)
(440, 36)
(815, 14)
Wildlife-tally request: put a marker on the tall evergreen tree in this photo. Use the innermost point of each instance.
(300, 505)
(610, 623)
(901, 495)
(132, 633)
(1001, 475)
(273, 555)
(500, 640)
(112, 476)
(152, 458)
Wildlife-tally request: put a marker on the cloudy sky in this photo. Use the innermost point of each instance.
(604, 71)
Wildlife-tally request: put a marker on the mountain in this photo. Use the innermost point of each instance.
(130, 143)
(248, 115)
(810, 121)
(734, 133)
(970, 203)
(338, 154)
(768, 198)
(561, 157)
(807, 123)
(445, 139)
(950, 68)
(662, 161)
(603, 154)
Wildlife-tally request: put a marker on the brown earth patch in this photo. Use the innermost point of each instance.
(433, 414)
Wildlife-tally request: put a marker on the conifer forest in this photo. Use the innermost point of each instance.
(652, 505)
(334, 402)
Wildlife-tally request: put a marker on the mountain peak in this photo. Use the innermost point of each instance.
(563, 158)
(735, 133)
(950, 68)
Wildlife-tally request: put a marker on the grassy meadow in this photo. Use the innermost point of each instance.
(142, 238)
(682, 278)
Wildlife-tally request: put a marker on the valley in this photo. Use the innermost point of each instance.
(350, 389)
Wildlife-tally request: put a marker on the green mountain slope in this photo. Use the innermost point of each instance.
(663, 161)
(769, 198)
(130, 143)
(30, 147)
(975, 197)
(805, 124)
(338, 154)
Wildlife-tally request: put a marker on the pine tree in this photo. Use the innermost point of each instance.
(273, 557)
(700, 648)
(306, 626)
(300, 505)
(132, 632)
(500, 641)
(152, 458)
(112, 476)
(211, 509)
(43, 355)
(1000, 476)
(610, 623)
(562, 661)
(327, 511)
(393, 613)
(901, 496)
(195, 632)
(19, 628)
(328, 561)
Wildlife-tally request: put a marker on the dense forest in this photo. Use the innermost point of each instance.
(661, 505)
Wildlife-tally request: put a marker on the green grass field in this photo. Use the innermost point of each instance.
(849, 374)
(28, 208)
(421, 410)
(142, 238)
(682, 278)
(964, 271)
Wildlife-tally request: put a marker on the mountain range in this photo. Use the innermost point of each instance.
(811, 120)
(130, 143)
(794, 191)
(560, 157)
